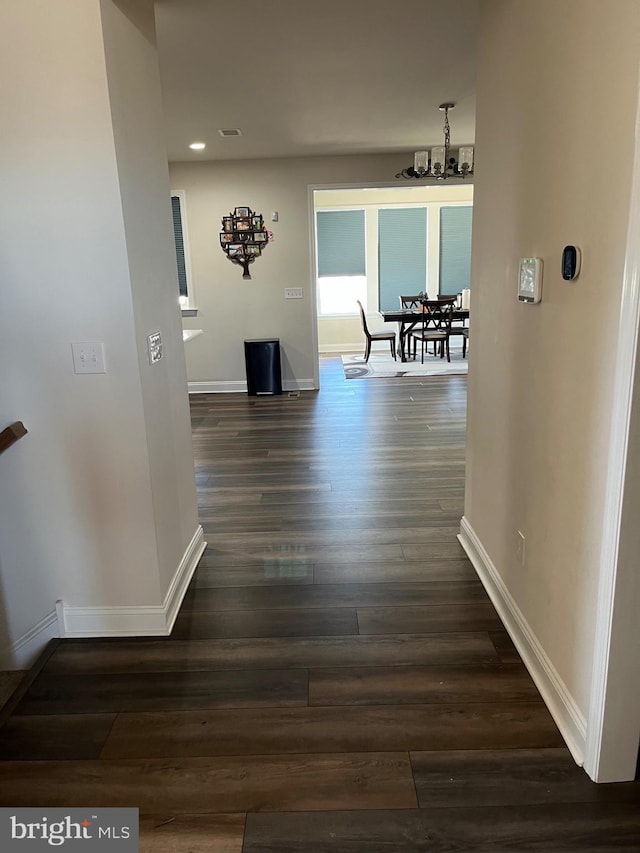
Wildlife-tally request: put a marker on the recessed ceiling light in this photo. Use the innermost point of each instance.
(231, 131)
(197, 146)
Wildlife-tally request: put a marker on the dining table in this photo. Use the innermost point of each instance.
(408, 319)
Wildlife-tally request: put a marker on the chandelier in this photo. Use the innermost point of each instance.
(441, 164)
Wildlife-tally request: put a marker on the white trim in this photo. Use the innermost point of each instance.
(240, 386)
(142, 621)
(182, 577)
(553, 690)
(343, 348)
(313, 284)
(612, 735)
(299, 385)
(217, 386)
(23, 653)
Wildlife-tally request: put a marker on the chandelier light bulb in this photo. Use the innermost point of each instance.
(421, 162)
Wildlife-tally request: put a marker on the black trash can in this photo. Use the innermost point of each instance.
(262, 358)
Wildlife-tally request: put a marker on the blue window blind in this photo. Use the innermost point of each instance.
(402, 254)
(455, 248)
(179, 238)
(340, 236)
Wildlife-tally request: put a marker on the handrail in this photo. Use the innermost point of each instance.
(11, 434)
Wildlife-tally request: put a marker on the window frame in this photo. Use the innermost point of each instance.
(189, 308)
(340, 209)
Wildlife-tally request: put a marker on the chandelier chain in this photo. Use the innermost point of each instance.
(447, 132)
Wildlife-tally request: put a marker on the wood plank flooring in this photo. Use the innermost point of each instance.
(337, 679)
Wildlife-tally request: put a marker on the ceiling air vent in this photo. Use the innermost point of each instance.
(231, 131)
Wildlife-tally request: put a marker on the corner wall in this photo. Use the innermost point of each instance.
(77, 494)
(555, 80)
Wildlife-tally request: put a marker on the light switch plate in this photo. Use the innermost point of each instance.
(88, 357)
(154, 346)
(293, 293)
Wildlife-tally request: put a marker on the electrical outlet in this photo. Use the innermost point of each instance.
(520, 553)
(293, 293)
(88, 357)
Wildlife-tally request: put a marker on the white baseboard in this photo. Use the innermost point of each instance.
(182, 577)
(240, 386)
(298, 385)
(142, 621)
(217, 387)
(556, 696)
(23, 653)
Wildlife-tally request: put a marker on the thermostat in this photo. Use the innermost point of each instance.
(530, 280)
(570, 262)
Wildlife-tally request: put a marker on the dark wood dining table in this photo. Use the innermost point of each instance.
(408, 320)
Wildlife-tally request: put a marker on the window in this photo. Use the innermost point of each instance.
(341, 261)
(402, 253)
(178, 212)
(455, 248)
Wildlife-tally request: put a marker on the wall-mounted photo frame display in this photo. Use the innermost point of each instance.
(243, 237)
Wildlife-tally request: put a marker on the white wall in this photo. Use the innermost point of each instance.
(77, 494)
(548, 173)
(230, 309)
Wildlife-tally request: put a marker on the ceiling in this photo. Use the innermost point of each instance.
(314, 77)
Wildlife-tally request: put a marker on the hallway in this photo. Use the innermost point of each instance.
(337, 678)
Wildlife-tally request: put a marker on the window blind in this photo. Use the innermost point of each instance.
(179, 238)
(455, 248)
(402, 254)
(341, 247)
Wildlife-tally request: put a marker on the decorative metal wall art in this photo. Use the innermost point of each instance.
(243, 237)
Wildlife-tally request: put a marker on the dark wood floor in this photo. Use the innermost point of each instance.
(337, 679)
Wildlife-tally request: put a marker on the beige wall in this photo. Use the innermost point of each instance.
(143, 174)
(230, 309)
(78, 495)
(557, 94)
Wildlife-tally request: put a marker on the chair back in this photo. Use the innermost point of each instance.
(412, 302)
(455, 298)
(363, 318)
(437, 314)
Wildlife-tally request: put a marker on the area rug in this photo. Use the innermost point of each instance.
(383, 366)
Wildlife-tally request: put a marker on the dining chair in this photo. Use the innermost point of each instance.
(412, 302)
(375, 336)
(435, 327)
(458, 326)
